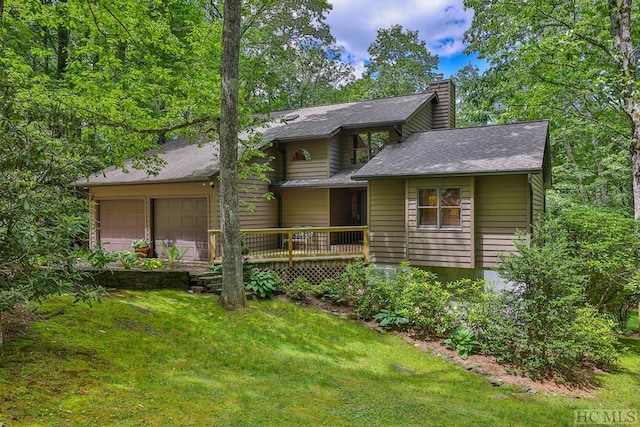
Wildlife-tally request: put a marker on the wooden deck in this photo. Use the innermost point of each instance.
(298, 244)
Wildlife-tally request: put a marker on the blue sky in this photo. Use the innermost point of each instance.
(440, 23)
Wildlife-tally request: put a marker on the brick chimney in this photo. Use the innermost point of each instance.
(444, 110)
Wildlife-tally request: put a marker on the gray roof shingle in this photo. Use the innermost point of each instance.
(187, 159)
(507, 148)
(325, 120)
(342, 178)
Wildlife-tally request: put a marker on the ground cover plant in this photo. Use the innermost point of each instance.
(172, 358)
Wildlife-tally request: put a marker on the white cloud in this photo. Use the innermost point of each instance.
(440, 23)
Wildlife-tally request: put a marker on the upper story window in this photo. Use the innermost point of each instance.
(440, 207)
(366, 145)
(301, 154)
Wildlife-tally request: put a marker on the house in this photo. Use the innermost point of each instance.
(429, 193)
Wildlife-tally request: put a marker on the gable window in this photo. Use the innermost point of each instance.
(440, 207)
(366, 145)
(301, 154)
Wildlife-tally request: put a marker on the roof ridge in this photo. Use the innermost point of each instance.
(352, 102)
(483, 126)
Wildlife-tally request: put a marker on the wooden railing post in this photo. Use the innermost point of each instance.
(365, 244)
(290, 247)
(212, 247)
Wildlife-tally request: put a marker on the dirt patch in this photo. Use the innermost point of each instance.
(15, 322)
(486, 366)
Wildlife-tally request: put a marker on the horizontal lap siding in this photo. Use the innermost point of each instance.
(420, 121)
(317, 167)
(336, 154)
(501, 209)
(387, 221)
(537, 185)
(264, 213)
(305, 207)
(441, 247)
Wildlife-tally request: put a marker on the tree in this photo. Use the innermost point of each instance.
(233, 296)
(469, 111)
(84, 85)
(574, 61)
(400, 63)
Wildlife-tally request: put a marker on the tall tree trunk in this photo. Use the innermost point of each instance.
(1, 9)
(620, 28)
(233, 296)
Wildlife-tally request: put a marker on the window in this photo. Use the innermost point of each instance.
(439, 208)
(301, 154)
(366, 145)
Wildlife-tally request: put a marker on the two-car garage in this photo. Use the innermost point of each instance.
(183, 221)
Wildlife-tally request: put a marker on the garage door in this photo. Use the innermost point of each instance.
(120, 222)
(182, 221)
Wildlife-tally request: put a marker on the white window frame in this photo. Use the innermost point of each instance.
(438, 208)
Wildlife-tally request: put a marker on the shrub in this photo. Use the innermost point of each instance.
(300, 289)
(388, 317)
(464, 341)
(593, 331)
(264, 283)
(540, 326)
(426, 304)
(608, 246)
(362, 287)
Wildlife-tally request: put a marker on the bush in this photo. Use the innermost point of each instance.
(362, 287)
(299, 289)
(264, 283)
(426, 304)
(541, 326)
(608, 246)
(464, 341)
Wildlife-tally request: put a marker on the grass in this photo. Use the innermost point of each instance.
(171, 358)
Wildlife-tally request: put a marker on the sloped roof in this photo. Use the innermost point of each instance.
(326, 120)
(186, 159)
(341, 179)
(510, 148)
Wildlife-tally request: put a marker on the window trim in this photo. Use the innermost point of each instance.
(438, 209)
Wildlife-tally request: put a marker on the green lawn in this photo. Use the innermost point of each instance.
(171, 358)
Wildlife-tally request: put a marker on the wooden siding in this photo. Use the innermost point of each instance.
(338, 155)
(444, 111)
(441, 247)
(387, 242)
(501, 209)
(275, 159)
(305, 207)
(421, 120)
(256, 211)
(537, 187)
(317, 167)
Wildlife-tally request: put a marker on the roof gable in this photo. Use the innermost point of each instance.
(186, 160)
(326, 120)
(503, 149)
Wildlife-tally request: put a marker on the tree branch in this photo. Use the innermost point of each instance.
(157, 131)
(121, 25)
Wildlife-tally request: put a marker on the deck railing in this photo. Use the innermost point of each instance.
(298, 243)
